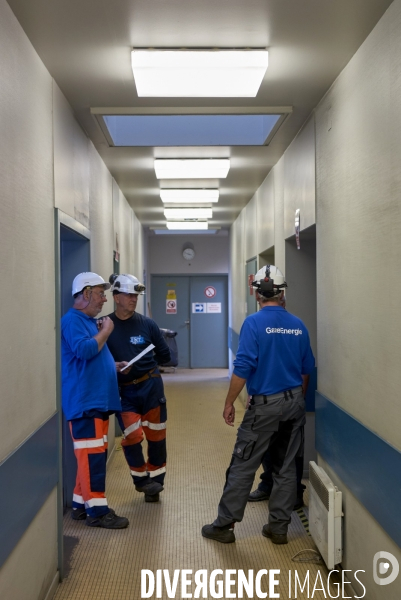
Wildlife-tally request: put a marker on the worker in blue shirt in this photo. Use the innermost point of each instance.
(89, 396)
(265, 486)
(274, 357)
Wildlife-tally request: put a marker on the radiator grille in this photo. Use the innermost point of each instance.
(319, 487)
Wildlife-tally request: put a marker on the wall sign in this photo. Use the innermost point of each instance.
(213, 307)
(297, 227)
(210, 291)
(171, 303)
(198, 307)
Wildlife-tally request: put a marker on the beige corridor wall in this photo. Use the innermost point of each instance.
(359, 242)
(358, 140)
(39, 137)
(27, 354)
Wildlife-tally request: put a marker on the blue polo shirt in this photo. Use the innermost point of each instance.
(274, 351)
(89, 379)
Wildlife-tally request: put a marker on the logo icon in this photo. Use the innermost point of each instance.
(137, 339)
(386, 564)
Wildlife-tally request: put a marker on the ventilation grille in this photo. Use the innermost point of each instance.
(319, 487)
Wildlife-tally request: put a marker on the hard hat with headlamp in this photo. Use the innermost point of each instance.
(269, 281)
(87, 280)
(126, 284)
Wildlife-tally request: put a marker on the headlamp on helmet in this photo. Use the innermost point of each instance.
(126, 284)
(269, 281)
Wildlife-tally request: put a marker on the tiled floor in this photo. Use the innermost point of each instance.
(106, 565)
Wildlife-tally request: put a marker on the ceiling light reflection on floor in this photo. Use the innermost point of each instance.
(189, 195)
(192, 168)
(199, 73)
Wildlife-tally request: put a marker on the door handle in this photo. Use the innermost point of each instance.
(187, 323)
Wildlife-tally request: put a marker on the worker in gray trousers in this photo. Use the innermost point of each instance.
(274, 360)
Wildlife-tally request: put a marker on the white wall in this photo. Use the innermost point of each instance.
(39, 136)
(265, 208)
(358, 141)
(358, 128)
(27, 359)
(26, 236)
(211, 254)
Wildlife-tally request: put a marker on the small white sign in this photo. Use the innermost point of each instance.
(171, 307)
(198, 307)
(213, 307)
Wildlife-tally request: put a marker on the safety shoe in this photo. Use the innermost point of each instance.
(78, 514)
(258, 495)
(276, 538)
(152, 497)
(151, 488)
(225, 536)
(108, 521)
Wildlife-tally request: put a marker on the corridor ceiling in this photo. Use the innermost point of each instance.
(86, 46)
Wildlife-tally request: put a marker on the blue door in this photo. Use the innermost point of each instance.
(197, 308)
(209, 322)
(74, 259)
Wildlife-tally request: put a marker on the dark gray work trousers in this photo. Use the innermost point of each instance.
(273, 423)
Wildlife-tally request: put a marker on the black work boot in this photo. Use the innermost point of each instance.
(78, 514)
(258, 495)
(276, 538)
(150, 489)
(152, 497)
(219, 534)
(108, 521)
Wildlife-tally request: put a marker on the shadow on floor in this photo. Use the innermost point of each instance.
(70, 545)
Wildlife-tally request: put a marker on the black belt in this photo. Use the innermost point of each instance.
(147, 375)
(286, 393)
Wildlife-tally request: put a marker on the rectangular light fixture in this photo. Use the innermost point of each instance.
(188, 213)
(199, 73)
(187, 225)
(189, 196)
(192, 168)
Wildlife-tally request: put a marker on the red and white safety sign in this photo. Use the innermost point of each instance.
(210, 291)
(171, 307)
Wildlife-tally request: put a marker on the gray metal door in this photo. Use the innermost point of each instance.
(209, 322)
(173, 291)
(202, 334)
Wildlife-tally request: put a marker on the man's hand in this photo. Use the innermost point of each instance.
(121, 365)
(229, 414)
(106, 325)
(236, 385)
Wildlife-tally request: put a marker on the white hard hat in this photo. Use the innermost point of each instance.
(269, 281)
(89, 279)
(127, 284)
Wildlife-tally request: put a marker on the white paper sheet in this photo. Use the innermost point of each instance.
(138, 356)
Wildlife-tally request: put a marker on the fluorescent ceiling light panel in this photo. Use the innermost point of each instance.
(199, 73)
(187, 225)
(189, 196)
(188, 213)
(192, 168)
